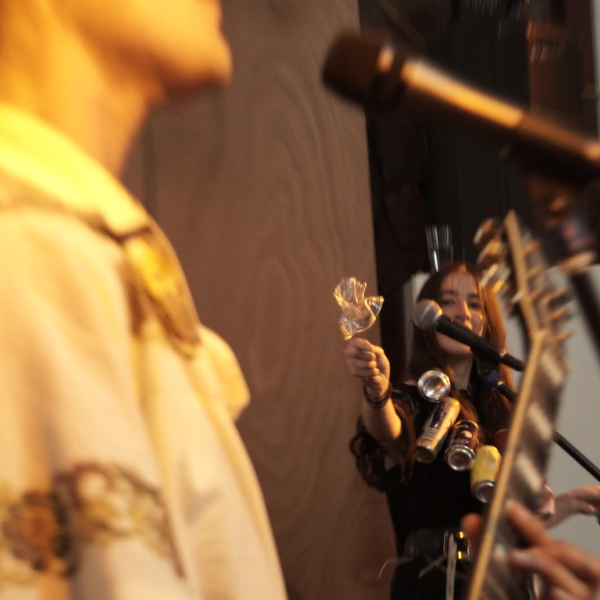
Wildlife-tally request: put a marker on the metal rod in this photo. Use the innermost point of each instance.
(587, 464)
(588, 301)
(558, 439)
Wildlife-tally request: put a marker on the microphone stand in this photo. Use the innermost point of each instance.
(588, 302)
(493, 380)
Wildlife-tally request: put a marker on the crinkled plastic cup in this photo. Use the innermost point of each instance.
(358, 313)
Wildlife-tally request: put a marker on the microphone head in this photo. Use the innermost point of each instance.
(426, 314)
(365, 68)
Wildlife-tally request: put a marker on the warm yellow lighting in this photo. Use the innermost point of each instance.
(425, 80)
(385, 59)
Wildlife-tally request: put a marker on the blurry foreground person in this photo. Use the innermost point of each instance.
(123, 475)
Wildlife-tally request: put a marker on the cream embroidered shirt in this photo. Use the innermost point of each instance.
(122, 474)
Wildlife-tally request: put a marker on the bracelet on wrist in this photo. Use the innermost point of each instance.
(377, 402)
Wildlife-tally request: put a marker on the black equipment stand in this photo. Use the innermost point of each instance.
(487, 373)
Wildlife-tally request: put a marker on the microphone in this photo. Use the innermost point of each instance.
(371, 70)
(427, 315)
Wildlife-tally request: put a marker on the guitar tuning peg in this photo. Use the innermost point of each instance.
(532, 247)
(559, 298)
(536, 295)
(488, 230)
(493, 252)
(507, 303)
(560, 314)
(536, 272)
(497, 277)
(508, 291)
(563, 336)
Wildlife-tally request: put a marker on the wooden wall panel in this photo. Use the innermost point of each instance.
(263, 189)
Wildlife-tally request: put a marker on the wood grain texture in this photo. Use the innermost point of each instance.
(263, 189)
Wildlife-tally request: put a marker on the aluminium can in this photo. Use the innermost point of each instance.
(441, 418)
(434, 385)
(484, 473)
(500, 439)
(462, 445)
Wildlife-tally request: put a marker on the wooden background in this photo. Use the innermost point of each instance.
(263, 189)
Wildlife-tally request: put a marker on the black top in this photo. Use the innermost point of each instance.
(419, 495)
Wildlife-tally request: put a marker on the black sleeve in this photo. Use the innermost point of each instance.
(370, 454)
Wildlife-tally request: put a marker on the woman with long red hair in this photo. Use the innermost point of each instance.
(427, 501)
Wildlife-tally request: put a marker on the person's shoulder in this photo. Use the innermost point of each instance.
(40, 216)
(215, 353)
(44, 239)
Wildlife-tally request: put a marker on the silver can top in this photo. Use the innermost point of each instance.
(434, 385)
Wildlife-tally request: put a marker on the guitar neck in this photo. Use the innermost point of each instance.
(522, 474)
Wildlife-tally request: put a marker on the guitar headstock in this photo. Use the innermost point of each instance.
(515, 267)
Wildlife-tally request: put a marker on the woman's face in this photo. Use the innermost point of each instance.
(461, 302)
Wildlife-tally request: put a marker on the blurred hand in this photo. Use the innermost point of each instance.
(567, 572)
(369, 363)
(583, 500)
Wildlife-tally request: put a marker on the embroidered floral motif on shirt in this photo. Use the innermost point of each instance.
(93, 503)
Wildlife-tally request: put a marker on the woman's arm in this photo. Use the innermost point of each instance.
(369, 363)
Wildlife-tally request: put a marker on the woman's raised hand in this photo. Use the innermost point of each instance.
(368, 362)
